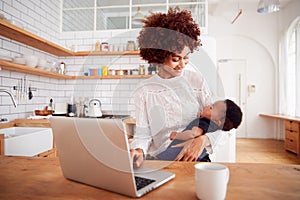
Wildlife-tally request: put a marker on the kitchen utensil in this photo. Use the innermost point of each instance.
(93, 109)
(30, 94)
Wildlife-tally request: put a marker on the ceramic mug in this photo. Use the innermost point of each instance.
(211, 181)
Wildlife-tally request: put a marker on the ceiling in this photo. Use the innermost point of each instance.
(226, 6)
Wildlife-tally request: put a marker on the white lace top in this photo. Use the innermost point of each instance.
(166, 105)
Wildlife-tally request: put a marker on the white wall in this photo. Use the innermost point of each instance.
(255, 38)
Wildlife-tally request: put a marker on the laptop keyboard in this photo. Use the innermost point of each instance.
(142, 182)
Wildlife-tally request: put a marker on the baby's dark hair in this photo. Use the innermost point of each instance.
(233, 115)
(165, 34)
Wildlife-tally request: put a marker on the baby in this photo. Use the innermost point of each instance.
(222, 115)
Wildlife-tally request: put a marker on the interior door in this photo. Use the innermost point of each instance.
(232, 75)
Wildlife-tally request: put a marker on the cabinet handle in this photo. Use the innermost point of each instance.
(291, 140)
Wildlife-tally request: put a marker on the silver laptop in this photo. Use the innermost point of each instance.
(96, 152)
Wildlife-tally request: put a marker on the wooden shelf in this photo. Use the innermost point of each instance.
(30, 70)
(39, 72)
(106, 53)
(18, 34)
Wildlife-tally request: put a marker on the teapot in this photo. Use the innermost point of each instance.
(93, 109)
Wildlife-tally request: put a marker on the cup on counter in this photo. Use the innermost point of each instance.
(211, 181)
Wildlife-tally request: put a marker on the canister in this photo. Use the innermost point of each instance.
(104, 46)
(99, 71)
(104, 70)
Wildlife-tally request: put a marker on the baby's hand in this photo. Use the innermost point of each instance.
(173, 135)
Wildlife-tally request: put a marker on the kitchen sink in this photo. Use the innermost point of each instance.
(26, 141)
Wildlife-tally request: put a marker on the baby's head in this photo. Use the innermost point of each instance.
(226, 114)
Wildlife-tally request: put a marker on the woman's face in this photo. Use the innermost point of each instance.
(174, 65)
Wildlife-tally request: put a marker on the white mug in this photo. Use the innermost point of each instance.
(211, 181)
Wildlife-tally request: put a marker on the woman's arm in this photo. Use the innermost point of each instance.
(141, 139)
(193, 148)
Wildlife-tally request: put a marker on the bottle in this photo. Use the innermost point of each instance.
(50, 107)
(150, 69)
(141, 70)
(98, 46)
(104, 70)
(62, 68)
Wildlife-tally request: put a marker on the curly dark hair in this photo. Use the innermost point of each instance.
(233, 115)
(164, 35)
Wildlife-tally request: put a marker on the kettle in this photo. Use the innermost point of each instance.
(93, 109)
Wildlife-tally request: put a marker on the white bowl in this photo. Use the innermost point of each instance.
(42, 63)
(19, 60)
(31, 60)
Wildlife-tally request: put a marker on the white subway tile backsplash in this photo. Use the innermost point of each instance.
(83, 35)
(43, 17)
(10, 46)
(4, 73)
(10, 11)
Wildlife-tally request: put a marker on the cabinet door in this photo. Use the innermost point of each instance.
(292, 136)
(292, 125)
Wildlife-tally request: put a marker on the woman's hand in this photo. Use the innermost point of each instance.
(137, 157)
(192, 148)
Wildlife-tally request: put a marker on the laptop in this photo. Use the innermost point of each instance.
(95, 151)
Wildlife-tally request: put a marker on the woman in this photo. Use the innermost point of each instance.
(169, 100)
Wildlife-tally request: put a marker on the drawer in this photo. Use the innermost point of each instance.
(292, 145)
(292, 125)
(292, 135)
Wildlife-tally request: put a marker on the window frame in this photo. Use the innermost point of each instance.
(133, 5)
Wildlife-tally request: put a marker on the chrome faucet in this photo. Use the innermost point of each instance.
(11, 96)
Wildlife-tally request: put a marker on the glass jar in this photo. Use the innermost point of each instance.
(141, 70)
(98, 46)
(130, 45)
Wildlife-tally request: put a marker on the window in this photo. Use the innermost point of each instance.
(293, 71)
(94, 15)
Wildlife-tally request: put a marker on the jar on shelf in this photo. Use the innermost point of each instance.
(141, 70)
(130, 45)
(135, 72)
(104, 46)
(98, 46)
(104, 70)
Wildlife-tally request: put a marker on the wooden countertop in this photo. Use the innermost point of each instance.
(284, 117)
(41, 178)
(43, 123)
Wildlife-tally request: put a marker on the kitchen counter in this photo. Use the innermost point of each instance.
(41, 178)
